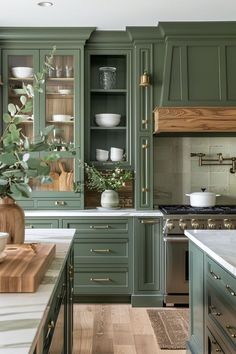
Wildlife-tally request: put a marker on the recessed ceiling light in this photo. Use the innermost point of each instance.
(45, 3)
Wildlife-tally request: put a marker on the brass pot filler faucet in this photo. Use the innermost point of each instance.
(216, 162)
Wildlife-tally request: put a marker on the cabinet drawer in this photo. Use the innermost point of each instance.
(59, 203)
(105, 280)
(99, 226)
(224, 282)
(41, 224)
(222, 314)
(212, 344)
(101, 251)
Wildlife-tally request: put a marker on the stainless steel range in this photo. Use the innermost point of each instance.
(178, 218)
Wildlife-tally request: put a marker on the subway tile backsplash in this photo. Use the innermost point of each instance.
(176, 173)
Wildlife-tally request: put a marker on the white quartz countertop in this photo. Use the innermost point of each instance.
(22, 315)
(94, 212)
(220, 245)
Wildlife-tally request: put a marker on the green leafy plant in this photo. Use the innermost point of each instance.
(100, 181)
(17, 166)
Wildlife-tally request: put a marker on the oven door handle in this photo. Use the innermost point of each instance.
(175, 239)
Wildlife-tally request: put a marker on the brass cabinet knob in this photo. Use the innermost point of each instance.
(144, 189)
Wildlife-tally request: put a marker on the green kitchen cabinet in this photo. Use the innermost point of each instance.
(108, 90)
(220, 307)
(212, 305)
(61, 104)
(102, 256)
(148, 262)
(144, 136)
(59, 321)
(196, 342)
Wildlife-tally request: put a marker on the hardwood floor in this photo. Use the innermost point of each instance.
(114, 329)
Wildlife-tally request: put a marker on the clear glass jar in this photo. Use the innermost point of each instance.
(107, 77)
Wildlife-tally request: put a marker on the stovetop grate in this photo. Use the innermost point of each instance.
(187, 209)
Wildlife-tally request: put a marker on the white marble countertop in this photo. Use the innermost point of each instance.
(22, 315)
(94, 212)
(220, 245)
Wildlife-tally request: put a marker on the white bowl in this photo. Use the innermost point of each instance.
(61, 118)
(107, 120)
(19, 91)
(22, 71)
(3, 240)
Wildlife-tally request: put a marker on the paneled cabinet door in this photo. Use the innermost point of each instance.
(58, 105)
(147, 255)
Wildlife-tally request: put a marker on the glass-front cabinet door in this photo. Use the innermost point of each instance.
(108, 107)
(58, 105)
(18, 70)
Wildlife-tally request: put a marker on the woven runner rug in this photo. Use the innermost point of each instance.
(170, 327)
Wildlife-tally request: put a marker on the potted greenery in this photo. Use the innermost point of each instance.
(16, 164)
(108, 183)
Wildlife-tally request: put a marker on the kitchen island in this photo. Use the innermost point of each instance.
(212, 261)
(24, 317)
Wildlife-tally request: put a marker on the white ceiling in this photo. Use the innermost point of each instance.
(113, 14)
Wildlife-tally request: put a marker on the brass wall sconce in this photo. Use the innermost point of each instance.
(144, 79)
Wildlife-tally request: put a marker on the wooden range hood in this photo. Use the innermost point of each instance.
(194, 119)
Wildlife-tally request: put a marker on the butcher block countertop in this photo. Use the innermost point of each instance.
(22, 315)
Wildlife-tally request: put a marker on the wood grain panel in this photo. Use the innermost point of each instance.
(24, 267)
(195, 119)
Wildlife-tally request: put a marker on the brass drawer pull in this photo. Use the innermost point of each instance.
(215, 276)
(231, 329)
(214, 312)
(51, 325)
(100, 279)
(231, 291)
(144, 189)
(101, 251)
(149, 221)
(145, 121)
(60, 202)
(99, 227)
(145, 146)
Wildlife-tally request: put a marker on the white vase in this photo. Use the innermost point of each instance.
(109, 199)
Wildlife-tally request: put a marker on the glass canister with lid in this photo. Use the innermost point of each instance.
(107, 77)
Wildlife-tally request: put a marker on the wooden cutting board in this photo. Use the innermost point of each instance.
(24, 266)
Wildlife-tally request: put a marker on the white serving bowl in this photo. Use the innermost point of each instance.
(107, 120)
(22, 71)
(3, 240)
(61, 117)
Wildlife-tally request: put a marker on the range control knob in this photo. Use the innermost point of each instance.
(211, 224)
(195, 224)
(228, 224)
(169, 225)
(182, 224)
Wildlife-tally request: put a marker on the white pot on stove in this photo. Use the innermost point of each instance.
(203, 199)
